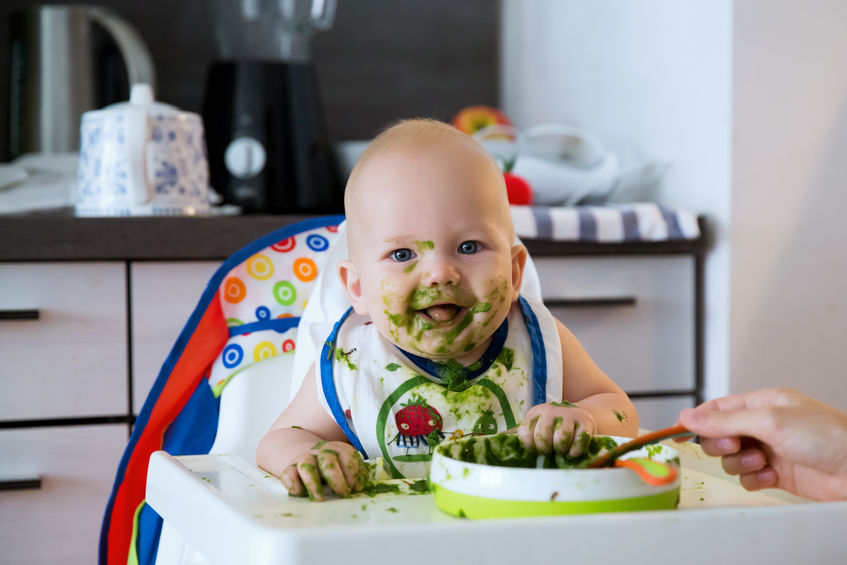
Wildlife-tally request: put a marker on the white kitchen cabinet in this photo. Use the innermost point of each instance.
(60, 521)
(634, 315)
(163, 296)
(72, 360)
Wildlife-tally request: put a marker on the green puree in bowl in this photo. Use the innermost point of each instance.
(506, 450)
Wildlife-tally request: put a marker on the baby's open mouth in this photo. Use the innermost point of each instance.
(442, 312)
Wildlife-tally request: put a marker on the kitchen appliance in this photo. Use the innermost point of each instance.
(66, 60)
(141, 158)
(268, 149)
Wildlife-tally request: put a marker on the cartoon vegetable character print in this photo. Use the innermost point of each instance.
(485, 424)
(417, 422)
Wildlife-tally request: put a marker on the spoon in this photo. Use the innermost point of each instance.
(608, 458)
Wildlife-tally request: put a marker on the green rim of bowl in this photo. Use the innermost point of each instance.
(476, 507)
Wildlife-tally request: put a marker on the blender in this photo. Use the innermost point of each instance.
(267, 145)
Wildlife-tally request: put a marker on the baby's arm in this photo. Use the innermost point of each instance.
(305, 445)
(591, 404)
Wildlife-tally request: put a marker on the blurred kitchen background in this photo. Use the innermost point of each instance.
(745, 100)
(382, 60)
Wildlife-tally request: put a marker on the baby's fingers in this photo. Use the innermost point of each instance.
(331, 471)
(526, 432)
(291, 480)
(563, 434)
(581, 437)
(543, 433)
(354, 469)
(307, 469)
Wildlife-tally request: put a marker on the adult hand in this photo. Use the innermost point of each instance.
(561, 428)
(776, 438)
(336, 463)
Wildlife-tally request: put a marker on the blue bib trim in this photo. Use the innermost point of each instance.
(539, 353)
(435, 370)
(328, 385)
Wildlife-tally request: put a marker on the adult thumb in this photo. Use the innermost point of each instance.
(722, 423)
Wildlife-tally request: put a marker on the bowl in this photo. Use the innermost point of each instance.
(482, 490)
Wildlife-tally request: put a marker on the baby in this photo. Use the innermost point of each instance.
(439, 342)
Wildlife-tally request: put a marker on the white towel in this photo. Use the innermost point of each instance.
(605, 224)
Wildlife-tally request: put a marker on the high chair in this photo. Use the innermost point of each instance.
(239, 360)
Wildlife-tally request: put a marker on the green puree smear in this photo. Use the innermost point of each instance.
(506, 450)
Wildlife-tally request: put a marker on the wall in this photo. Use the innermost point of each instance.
(789, 194)
(748, 100)
(651, 76)
(383, 59)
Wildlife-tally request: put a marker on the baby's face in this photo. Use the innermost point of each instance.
(433, 251)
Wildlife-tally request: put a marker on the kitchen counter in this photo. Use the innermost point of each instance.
(63, 237)
(227, 508)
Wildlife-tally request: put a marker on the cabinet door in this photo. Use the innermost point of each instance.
(72, 360)
(163, 296)
(634, 315)
(60, 521)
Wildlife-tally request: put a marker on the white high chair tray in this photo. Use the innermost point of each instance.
(232, 512)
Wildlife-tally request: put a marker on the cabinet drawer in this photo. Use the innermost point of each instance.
(72, 360)
(634, 316)
(662, 412)
(163, 296)
(59, 522)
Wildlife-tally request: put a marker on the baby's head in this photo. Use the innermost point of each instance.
(432, 254)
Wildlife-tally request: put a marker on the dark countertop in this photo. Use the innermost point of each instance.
(48, 237)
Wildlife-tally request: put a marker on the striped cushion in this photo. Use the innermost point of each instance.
(605, 224)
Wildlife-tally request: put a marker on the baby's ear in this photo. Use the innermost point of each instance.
(518, 263)
(350, 280)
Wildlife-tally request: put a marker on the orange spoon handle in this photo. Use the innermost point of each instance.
(609, 457)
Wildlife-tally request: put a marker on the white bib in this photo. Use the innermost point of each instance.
(393, 404)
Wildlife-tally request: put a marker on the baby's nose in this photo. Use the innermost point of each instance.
(439, 271)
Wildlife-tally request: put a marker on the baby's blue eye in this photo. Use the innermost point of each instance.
(401, 255)
(469, 247)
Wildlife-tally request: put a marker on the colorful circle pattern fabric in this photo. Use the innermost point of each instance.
(271, 284)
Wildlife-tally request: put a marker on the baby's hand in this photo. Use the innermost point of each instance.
(334, 462)
(556, 427)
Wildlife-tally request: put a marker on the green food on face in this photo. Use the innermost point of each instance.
(424, 245)
(506, 450)
(621, 416)
(481, 307)
(392, 367)
(410, 268)
(424, 297)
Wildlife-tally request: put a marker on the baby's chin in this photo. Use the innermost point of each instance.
(467, 350)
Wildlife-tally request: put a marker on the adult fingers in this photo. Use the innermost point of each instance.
(563, 433)
(755, 422)
(291, 481)
(746, 461)
(717, 447)
(307, 468)
(331, 471)
(763, 478)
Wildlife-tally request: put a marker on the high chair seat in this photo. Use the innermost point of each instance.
(236, 365)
